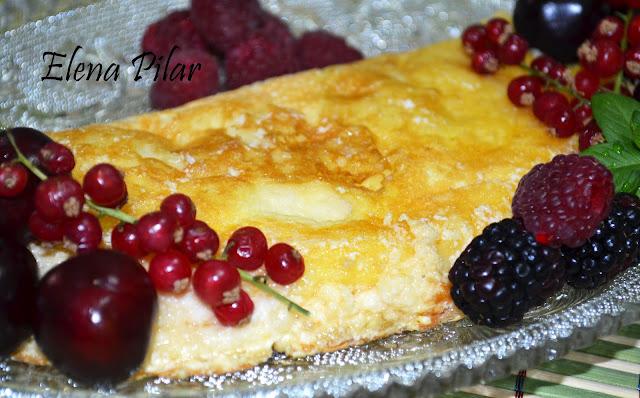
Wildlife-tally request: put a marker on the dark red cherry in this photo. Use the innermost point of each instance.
(18, 281)
(237, 313)
(105, 185)
(199, 242)
(284, 264)
(94, 317)
(56, 158)
(124, 238)
(180, 207)
(57, 198)
(84, 232)
(247, 248)
(30, 142)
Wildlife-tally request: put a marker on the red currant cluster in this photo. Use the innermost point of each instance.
(493, 44)
(172, 235)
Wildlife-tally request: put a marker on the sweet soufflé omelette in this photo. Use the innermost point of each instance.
(378, 172)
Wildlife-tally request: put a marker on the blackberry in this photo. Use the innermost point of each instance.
(612, 248)
(503, 273)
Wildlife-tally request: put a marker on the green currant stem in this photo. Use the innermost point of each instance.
(558, 86)
(623, 45)
(256, 282)
(117, 214)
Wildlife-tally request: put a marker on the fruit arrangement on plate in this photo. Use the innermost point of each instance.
(306, 158)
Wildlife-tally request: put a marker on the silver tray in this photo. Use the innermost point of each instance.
(426, 364)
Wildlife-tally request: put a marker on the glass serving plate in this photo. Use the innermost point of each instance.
(449, 356)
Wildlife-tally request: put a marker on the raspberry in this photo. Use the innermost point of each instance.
(277, 30)
(167, 93)
(225, 23)
(256, 59)
(176, 29)
(319, 49)
(503, 273)
(563, 202)
(612, 248)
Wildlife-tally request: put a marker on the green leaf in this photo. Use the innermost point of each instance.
(635, 127)
(622, 160)
(613, 113)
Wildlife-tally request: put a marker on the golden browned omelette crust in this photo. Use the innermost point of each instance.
(379, 172)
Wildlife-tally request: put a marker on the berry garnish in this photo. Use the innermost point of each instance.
(199, 242)
(562, 122)
(523, 90)
(44, 230)
(124, 238)
(176, 90)
(562, 202)
(632, 63)
(246, 248)
(320, 48)
(513, 50)
(498, 30)
(83, 233)
(57, 198)
(56, 159)
(29, 142)
(590, 135)
(543, 64)
(633, 31)
(612, 248)
(236, 313)
(474, 39)
(284, 264)
(485, 62)
(176, 29)
(586, 83)
(603, 57)
(503, 273)
(610, 27)
(157, 232)
(13, 179)
(105, 185)
(18, 281)
(180, 207)
(560, 74)
(548, 102)
(170, 272)
(216, 283)
(583, 112)
(94, 317)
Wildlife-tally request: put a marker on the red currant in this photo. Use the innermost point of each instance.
(216, 283)
(246, 248)
(170, 272)
(513, 50)
(633, 32)
(610, 27)
(236, 313)
(498, 30)
(560, 73)
(586, 83)
(583, 112)
(548, 102)
(124, 238)
(180, 207)
(83, 232)
(13, 179)
(543, 64)
(105, 185)
(562, 122)
(485, 62)
(44, 230)
(474, 39)
(199, 242)
(632, 63)
(157, 232)
(590, 135)
(284, 264)
(56, 158)
(57, 198)
(523, 90)
(603, 57)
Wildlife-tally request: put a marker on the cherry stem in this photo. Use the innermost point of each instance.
(559, 86)
(623, 45)
(258, 282)
(117, 214)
